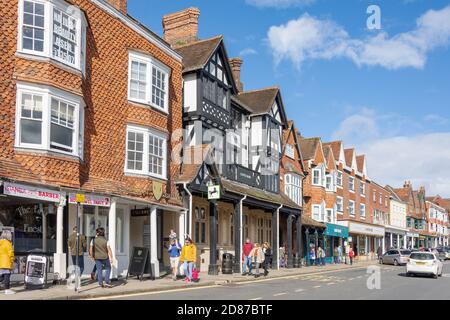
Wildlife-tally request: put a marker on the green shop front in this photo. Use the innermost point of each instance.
(334, 236)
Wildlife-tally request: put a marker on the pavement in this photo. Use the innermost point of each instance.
(379, 282)
(159, 287)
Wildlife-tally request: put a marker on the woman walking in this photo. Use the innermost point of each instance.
(188, 257)
(257, 257)
(6, 260)
(312, 256)
(267, 257)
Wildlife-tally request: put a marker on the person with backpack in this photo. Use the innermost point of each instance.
(267, 257)
(188, 257)
(174, 255)
(101, 252)
(6, 260)
(257, 256)
(321, 254)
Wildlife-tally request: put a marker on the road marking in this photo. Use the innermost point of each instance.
(259, 298)
(359, 277)
(351, 278)
(330, 284)
(299, 290)
(315, 287)
(279, 294)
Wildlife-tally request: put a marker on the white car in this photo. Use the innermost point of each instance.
(424, 263)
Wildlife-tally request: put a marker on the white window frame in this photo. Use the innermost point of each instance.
(47, 92)
(80, 50)
(290, 151)
(339, 177)
(319, 177)
(362, 188)
(351, 204)
(341, 201)
(362, 210)
(332, 185)
(318, 207)
(350, 178)
(328, 210)
(151, 63)
(292, 189)
(145, 157)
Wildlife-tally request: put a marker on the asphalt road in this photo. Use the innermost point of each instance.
(347, 285)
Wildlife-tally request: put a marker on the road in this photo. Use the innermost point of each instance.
(347, 285)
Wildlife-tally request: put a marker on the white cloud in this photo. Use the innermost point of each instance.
(279, 3)
(309, 38)
(248, 51)
(436, 119)
(393, 158)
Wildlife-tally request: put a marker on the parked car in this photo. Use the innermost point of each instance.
(395, 257)
(444, 253)
(424, 263)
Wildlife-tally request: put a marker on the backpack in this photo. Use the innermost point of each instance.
(195, 277)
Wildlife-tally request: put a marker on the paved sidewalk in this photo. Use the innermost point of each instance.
(92, 290)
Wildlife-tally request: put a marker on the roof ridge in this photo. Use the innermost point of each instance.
(263, 89)
(200, 41)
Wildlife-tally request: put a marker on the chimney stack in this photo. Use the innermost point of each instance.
(120, 5)
(235, 64)
(181, 28)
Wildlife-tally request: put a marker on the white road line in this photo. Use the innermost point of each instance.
(259, 298)
(299, 290)
(315, 287)
(330, 284)
(351, 278)
(359, 277)
(280, 294)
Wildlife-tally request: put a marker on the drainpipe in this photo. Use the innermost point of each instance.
(188, 223)
(241, 230)
(278, 236)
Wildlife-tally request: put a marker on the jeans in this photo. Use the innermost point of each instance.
(188, 266)
(80, 263)
(5, 278)
(247, 264)
(256, 266)
(99, 264)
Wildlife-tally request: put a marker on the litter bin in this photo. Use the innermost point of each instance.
(227, 263)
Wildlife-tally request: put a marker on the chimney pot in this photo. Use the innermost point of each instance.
(235, 64)
(181, 28)
(120, 5)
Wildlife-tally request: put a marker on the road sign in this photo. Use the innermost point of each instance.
(214, 192)
(80, 198)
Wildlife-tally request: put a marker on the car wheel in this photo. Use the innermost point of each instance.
(408, 274)
(435, 276)
(395, 263)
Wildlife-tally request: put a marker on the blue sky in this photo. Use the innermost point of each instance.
(385, 92)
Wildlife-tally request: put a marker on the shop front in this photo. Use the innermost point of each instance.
(412, 240)
(30, 213)
(335, 236)
(365, 240)
(395, 238)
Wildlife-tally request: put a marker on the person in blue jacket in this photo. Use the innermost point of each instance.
(174, 254)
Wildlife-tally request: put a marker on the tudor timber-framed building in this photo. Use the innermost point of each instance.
(232, 138)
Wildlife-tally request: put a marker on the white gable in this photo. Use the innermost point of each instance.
(275, 112)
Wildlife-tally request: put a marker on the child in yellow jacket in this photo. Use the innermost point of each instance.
(6, 259)
(188, 257)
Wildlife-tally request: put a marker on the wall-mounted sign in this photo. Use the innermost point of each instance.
(38, 193)
(90, 200)
(140, 212)
(157, 190)
(214, 192)
(365, 229)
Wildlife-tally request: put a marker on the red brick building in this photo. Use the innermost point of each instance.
(91, 100)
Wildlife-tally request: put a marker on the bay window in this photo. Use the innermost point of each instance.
(49, 119)
(318, 177)
(293, 187)
(148, 81)
(52, 29)
(146, 152)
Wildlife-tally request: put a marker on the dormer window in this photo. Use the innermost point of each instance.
(215, 83)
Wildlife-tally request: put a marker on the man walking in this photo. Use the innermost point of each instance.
(101, 252)
(248, 247)
(72, 242)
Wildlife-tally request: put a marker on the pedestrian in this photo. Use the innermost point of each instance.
(72, 243)
(283, 260)
(188, 257)
(172, 235)
(312, 256)
(335, 255)
(6, 260)
(322, 255)
(257, 256)
(267, 257)
(379, 252)
(347, 252)
(351, 254)
(100, 252)
(248, 246)
(340, 254)
(174, 254)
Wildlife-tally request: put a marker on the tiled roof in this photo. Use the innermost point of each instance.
(336, 147)
(259, 101)
(308, 147)
(197, 54)
(193, 159)
(360, 162)
(258, 194)
(310, 222)
(349, 156)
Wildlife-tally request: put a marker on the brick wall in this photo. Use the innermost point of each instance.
(107, 112)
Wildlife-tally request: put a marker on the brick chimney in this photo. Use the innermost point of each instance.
(181, 27)
(407, 184)
(120, 5)
(235, 64)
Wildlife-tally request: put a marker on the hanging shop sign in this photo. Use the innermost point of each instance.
(365, 229)
(214, 192)
(38, 193)
(89, 200)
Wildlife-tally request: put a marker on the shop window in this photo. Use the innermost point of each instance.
(200, 225)
(93, 218)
